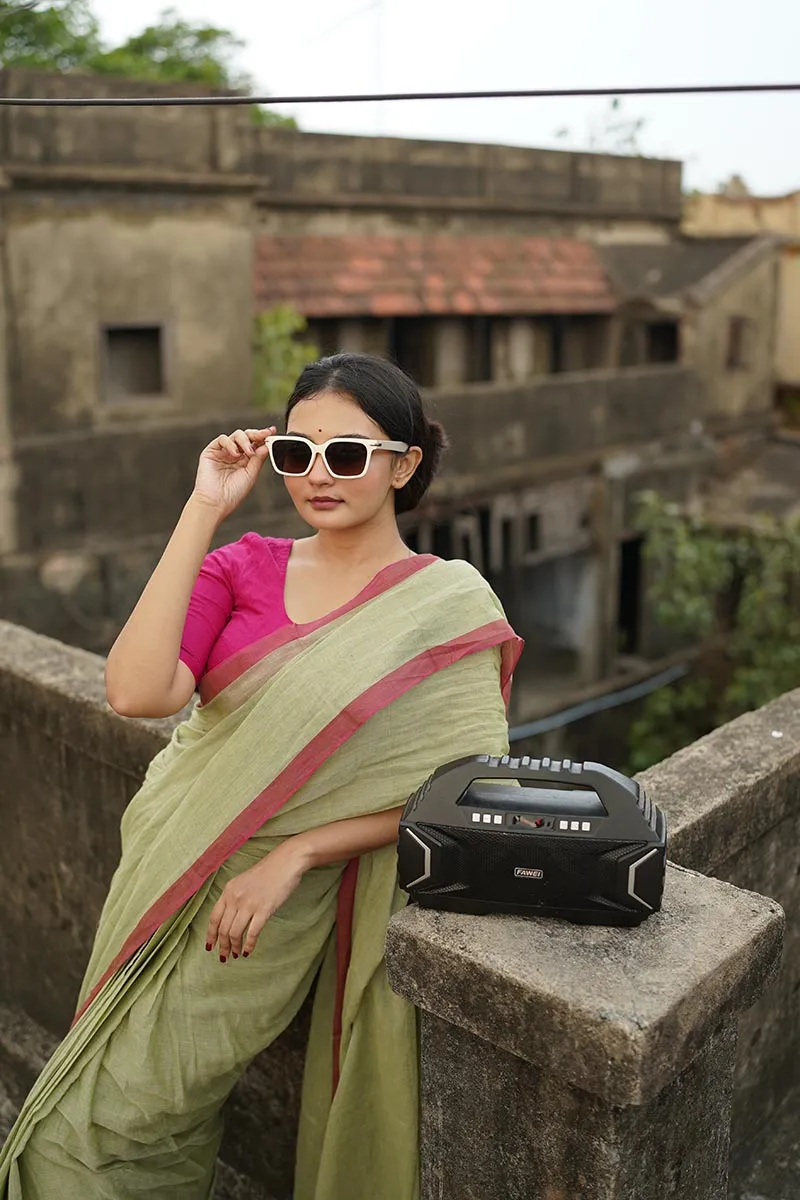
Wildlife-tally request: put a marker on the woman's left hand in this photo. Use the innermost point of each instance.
(249, 900)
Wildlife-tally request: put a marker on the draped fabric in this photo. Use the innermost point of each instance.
(317, 723)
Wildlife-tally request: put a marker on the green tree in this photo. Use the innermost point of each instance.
(734, 590)
(64, 35)
(278, 355)
(61, 36)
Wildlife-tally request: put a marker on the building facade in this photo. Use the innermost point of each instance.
(739, 214)
(577, 347)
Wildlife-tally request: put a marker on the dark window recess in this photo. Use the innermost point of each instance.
(739, 343)
(533, 533)
(557, 345)
(134, 362)
(480, 351)
(507, 543)
(410, 343)
(485, 526)
(324, 333)
(662, 342)
(629, 603)
(578, 343)
(443, 540)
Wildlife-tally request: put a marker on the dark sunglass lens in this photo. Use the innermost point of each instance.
(291, 456)
(346, 458)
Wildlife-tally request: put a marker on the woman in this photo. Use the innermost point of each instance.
(335, 672)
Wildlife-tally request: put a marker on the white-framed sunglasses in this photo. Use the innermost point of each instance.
(344, 457)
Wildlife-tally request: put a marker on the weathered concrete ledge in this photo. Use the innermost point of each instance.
(616, 1012)
(609, 1053)
(61, 690)
(733, 803)
(583, 1063)
(69, 767)
(728, 789)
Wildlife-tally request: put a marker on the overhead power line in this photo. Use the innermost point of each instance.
(709, 89)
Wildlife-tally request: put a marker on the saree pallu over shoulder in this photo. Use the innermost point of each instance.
(299, 697)
(316, 723)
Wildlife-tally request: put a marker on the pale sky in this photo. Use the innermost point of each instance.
(335, 46)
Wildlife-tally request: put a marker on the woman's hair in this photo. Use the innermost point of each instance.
(391, 399)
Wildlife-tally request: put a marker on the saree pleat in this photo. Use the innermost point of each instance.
(345, 718)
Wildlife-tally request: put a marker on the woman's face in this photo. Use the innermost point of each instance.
(328, 503)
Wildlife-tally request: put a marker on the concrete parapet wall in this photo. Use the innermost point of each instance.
(613, 1033)
(95, 507)
(70, 766)
(733, 799)
(323, 170)
(131, 480)
(597, 1062)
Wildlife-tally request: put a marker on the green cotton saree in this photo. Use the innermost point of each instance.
(314, 724)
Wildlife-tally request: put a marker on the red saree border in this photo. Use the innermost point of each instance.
(302, 767)
(345, 908)
(232, 667)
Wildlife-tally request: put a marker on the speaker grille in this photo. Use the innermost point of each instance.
(481, 863)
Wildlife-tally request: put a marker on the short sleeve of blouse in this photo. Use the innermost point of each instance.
(210, 608)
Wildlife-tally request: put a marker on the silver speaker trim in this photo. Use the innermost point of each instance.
(632, 869)
(426, 861)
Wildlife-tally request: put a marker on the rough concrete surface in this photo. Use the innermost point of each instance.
(772, 1171)
(618, 1012)
(519, 1133)
(726, 790)
(733, 804)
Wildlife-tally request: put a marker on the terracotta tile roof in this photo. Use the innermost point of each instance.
(381, 276)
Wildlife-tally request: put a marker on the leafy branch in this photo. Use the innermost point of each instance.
(279, 355)
(64, 35)
(736, 591)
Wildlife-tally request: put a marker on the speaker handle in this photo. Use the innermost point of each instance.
(615, 790)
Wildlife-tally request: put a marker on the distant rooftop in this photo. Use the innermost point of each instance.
(397, 276)
(642, 271)
(291, 168)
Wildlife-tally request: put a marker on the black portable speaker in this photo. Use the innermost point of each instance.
(573, 840)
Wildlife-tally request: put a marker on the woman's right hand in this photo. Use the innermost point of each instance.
(229, 466)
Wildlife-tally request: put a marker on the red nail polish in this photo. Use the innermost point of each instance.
(222, 958)
(246, 954)
(209, 946)
(235, 956)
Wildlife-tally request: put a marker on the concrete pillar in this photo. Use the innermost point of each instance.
(543, 348)
(499, 351)
(514, 350)
(451, 352)
(521, 348)
(562, 1061)
(588, 606)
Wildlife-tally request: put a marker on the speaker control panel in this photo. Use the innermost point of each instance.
(523, 821)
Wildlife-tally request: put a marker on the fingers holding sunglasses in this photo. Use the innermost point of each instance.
(244, 443)
(258, 438)
(227, 447)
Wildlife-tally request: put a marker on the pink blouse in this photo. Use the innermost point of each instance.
(237, 599)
